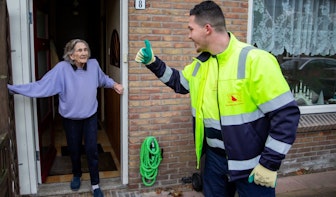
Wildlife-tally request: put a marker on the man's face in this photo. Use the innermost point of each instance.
(80, 55)
(197, 34)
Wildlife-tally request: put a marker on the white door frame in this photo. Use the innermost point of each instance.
(22, 45)
(21, 32)
(124, 97)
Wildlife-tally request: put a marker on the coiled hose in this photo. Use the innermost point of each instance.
(150, 159)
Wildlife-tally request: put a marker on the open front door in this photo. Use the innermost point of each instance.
(44, 105)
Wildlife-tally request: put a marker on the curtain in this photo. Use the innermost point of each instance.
(297, 26)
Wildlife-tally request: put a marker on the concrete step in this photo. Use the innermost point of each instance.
(63, 189)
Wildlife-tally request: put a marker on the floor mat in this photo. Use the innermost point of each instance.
(62, 164)
(65, 150)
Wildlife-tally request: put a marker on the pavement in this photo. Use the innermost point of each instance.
(321, 184)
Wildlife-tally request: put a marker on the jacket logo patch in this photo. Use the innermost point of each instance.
(234, 99)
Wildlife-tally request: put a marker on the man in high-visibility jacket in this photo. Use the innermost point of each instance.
(245, 117)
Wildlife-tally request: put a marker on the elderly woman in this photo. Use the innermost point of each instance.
(75, 80)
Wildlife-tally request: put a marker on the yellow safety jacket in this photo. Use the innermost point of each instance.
(241, 93)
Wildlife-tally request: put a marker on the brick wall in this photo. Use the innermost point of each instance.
(314, 149)
(154, 109)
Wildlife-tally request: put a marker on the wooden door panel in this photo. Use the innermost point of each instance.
(44, 105)
(112, 119)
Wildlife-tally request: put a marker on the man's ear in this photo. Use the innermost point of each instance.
(208, 28)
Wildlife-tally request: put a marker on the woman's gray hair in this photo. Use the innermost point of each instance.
(69, 49)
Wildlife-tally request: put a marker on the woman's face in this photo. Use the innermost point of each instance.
(80, 55)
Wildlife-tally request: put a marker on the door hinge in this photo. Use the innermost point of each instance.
(37, 155)
(30, 18)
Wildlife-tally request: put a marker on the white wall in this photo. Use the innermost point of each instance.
(18, 11)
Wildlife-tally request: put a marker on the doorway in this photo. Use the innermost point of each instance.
(87, 20)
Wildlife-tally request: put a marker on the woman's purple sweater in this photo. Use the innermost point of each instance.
(77, 88)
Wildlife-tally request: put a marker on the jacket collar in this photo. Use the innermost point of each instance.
(75, 67)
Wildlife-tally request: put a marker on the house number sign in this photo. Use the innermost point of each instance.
(140, 4)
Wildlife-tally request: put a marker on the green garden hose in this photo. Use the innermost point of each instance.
(150, 158)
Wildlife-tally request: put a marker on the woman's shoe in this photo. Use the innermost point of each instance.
(98, 193)
(75, 183)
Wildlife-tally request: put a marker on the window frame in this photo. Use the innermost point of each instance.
(303, 109)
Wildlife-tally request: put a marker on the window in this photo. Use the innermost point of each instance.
(302, 35)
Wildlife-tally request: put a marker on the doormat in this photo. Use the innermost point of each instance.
(65, 150)
(62, 164)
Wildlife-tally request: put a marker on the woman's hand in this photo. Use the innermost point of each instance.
(118, 88)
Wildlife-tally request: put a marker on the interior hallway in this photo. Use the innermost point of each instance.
(102, 139)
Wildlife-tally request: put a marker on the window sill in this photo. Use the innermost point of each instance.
(317, 122)
(318, 109)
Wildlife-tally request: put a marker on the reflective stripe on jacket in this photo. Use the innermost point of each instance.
(249, 104)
